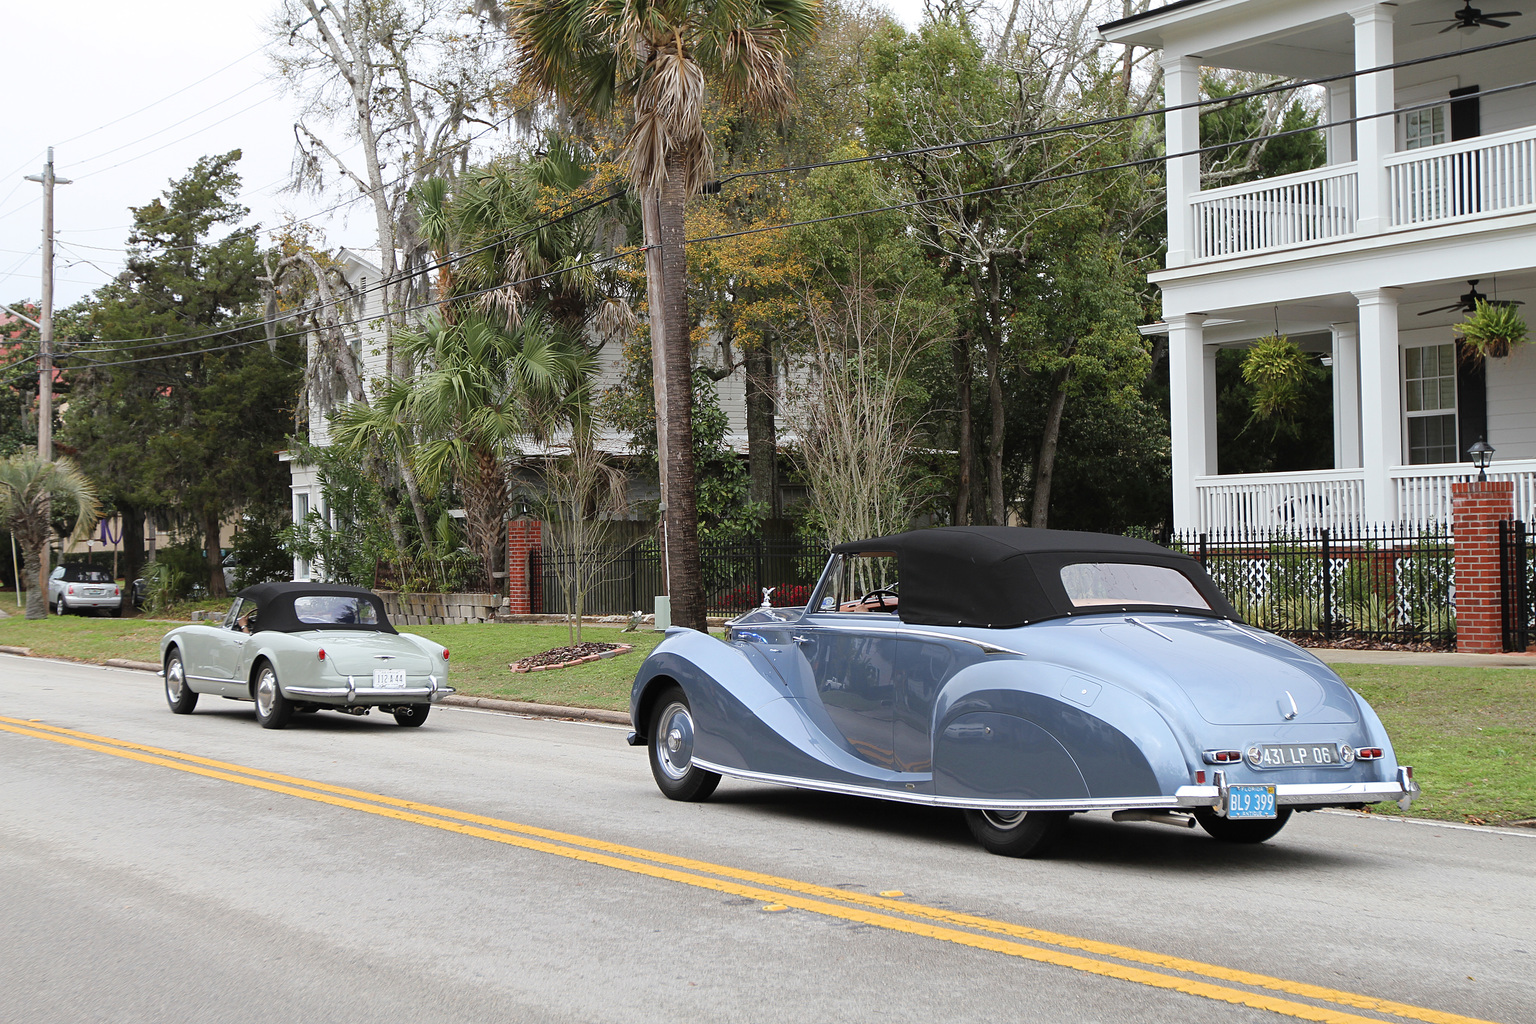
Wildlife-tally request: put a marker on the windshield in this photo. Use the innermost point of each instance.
(1092, 584)
(335, 610)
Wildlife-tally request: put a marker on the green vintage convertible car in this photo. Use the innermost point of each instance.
(300, 647)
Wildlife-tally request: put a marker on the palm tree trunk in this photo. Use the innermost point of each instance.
(684, 581)
(34, 563)
(656, 299)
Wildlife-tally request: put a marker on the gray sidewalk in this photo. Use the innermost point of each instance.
(1335, 656)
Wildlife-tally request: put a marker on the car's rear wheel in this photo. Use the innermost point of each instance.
(1252, 831)
(272, 709)
(1017, 833)
(181, 697)
(671, 750)
(412, 714)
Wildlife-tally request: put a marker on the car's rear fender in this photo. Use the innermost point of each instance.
(1116, 743)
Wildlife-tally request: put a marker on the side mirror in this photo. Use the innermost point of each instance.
(828, 604)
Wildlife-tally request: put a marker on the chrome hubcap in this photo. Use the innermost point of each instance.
(1004, 819)
(266, 691)
(174, 679)
(674, 741)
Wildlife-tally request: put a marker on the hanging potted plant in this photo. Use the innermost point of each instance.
(1281, 376)
(1491, 329)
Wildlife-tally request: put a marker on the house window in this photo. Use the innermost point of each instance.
(1429, 401)
(1425, 127)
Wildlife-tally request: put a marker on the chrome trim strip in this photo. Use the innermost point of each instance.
(1296, 793)
(932, 634)
(847, 789)
(367, 693)
(207, 679)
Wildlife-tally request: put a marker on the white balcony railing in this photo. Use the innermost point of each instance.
(1294, 209)
(1326, 499)
(1471, 178)
(1489, 174)
(1334, 499)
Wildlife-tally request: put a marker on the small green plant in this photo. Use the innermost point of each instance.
(1281, 376)
(1491, 329)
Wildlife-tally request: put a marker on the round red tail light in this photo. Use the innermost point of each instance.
(445, 654)
(321, 654)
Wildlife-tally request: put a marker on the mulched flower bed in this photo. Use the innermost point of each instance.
(565, 657)
(1354, 643)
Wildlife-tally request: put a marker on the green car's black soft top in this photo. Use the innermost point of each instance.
(274, 602)
(998, 577)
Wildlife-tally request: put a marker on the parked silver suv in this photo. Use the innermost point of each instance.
(78, 588)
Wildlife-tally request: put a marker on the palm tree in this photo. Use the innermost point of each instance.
(32, 493)
(480, 388)
(655, 56)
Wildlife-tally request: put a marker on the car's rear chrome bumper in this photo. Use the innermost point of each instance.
(1402, 789)
(352, 694)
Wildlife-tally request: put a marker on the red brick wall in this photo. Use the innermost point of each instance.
(523, 536)
(1476, 509)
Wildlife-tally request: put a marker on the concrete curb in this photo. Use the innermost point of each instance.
(518, 707)
(141, 666)
(515, 707)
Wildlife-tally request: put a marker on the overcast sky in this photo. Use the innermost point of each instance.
(130, 93)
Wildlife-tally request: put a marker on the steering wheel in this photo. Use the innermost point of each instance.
(880, 596)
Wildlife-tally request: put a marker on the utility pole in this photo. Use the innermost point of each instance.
(45, 327)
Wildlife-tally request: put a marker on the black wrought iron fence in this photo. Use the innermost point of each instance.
(620, 581)
(1517, 584)
(1391, 584)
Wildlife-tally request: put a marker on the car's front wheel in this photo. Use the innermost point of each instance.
(412, 715)
(58, 608)
(1251, 831)
(272, 709)
(1017, 833)
(181, 697)
(671, 750)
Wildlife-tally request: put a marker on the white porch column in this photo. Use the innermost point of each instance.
(1191, 414)
(1381, 402)
(1340, 139)
(1375, 138)
(1181, 84)
(1346, 396)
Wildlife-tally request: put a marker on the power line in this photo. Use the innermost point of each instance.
(156, 103)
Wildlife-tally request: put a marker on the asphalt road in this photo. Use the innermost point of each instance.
(493, 868)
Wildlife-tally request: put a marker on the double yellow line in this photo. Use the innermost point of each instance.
(1105, 959)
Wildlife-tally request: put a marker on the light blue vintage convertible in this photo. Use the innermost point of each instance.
(301, 647)
(1022, 676)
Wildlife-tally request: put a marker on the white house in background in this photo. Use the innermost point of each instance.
(1432, 186)
(360, 269)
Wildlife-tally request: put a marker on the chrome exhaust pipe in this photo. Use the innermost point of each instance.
(1159, 817)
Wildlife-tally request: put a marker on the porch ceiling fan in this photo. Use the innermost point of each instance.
(1469, 18)
(1468, 302)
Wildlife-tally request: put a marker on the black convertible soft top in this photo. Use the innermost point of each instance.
(1003, 576)
(274, 602)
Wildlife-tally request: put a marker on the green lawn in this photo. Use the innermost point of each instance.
(1470, 733)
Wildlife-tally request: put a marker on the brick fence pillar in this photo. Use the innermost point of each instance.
(523, 536)
(1476, 509)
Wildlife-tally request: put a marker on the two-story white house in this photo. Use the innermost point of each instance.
(1430, 183)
